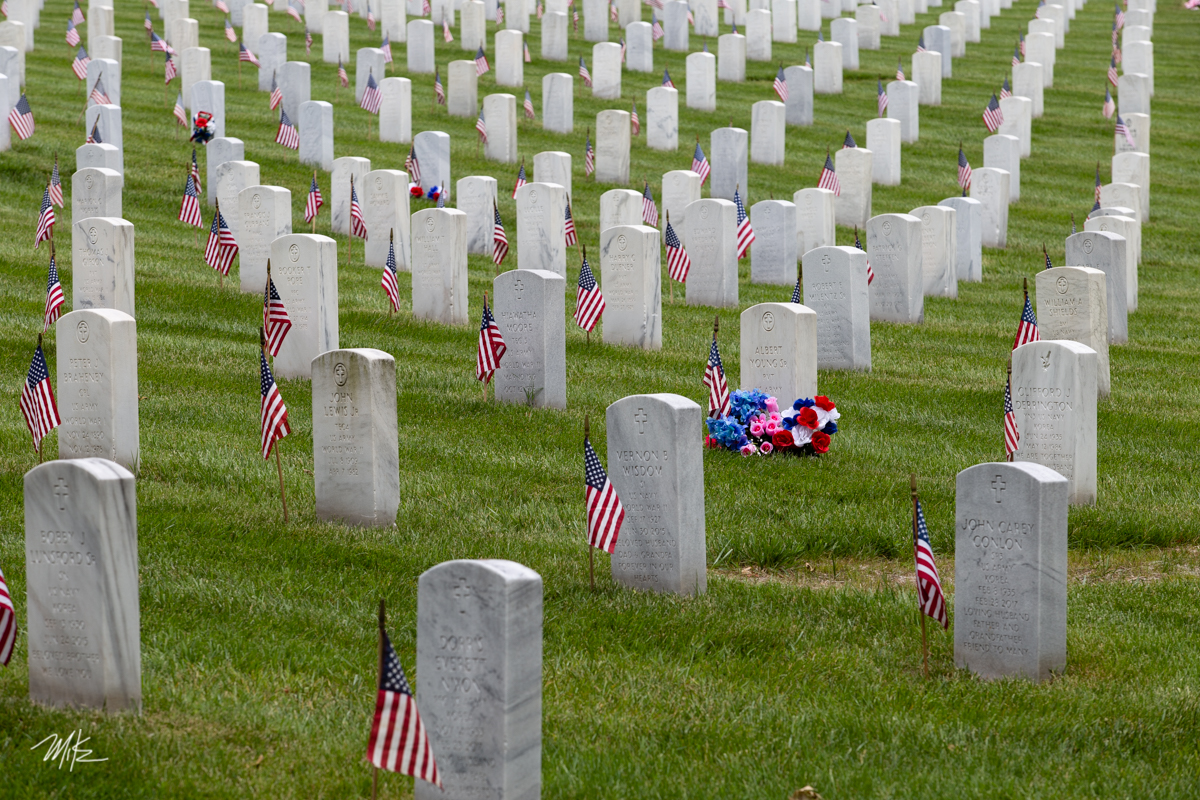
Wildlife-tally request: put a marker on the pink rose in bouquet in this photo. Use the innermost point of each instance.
(766, 448)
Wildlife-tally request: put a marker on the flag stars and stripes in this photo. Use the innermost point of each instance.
(358, 224)
(72, 35)
(605, 513)
(1012, 437)
(589, 156)
(276, 94)
(481, 126)
(481, 62)
(245, 54)
(679, 263)
(398, 741)
(189, 208)
(930, 598)
(589, 300)
(858, 244)
(54, 296)
(1027, 328)
(439, 91)
(273, 414)
(371, 97)
(571, 237)
(312, 205)
(8, 623)
(881, 99)
(491, 347)
(390, 281)
(80, 63)
(46, 219)
(21, 118)
(499, 237)
(993, 118)
(829, 178)
(528, 106)
(221, 248)
(780, 85)
(584, 74)
(700, 164)
(745, 231)
(276, 321)
(964, 171)
(521, 180)
(56, 192)
(649, 207)
(287, 135)
(37, 399)
(714, 379)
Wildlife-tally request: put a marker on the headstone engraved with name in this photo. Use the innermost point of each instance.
(102, 264)
(96, 193)
(773, 253)
(711, 235)
(541, 227)
(479, 678)
(631, 274)
(384, 198)
(894, 248)
(475, 196)
(81, 585)
(1054, 396)
(356, 460)
(939, 245)
(97, 385)
(1010, 569)
(304, 269)
(553, 166)
(99, 156)
(680, 188)
(835, 287)
(854, 169)
(266, 214)
(814, 219)
(656, 465)
(530, 308)
(345, 169)
(1105, 251)
(1071, 304)
(779, 350)
(439, 265)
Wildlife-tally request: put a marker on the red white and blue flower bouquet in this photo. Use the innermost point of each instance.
(757, 426)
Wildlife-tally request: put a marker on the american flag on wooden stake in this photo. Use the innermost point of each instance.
(714, 379)
(900, 69)
(589, 156)
(179, 111)
(1047, 256)
(499, 14)
(390, 281)
(781, 87)
(230, 33)
(881, 98)
(623, 48)
(73, 34)
(370, 19)
(189, 208)
(54, 295)
(964, 171)
(169, 71)
(386, 47)
(21, 118)
(1118, 16)
(157, 45)
(571, 237)
(670, 84)
(481, 126)
(1012, 438)
(656, 28)
(343, 78)
(8, 623)
(649, 207)
(1005, 90)
(371, 96)
(276, 94)
(679, 263)
(221, 247)
(287, 135)
(45, 224)
(1109, 108)
(1016, 59)
(56, 193)
(276, 321)
(79, 64)
(358, 225)
(858, 244)
(481, 62)
(196, 173)
(541, 9)
(1112, 71)
(491, 346)
(921, 42)
(584, 74)
(589, 300)
(77, 14)
(148, 24)
(604, 510)
(745, 232)
(635, 122)
(930, 598)
(848, 141)
(412, 166)
(1123, 130)
(447, 36)
(294, 13)
(992, 117)
(37, 399)
(700, 164)
(528, 105)
(245, 54)
(528, 57)
(520, 180)
(221, 6)
(499, 238)
(1027, 328)
(1097, 191)
(798, 292)
(93, 136)
(1021, 43)
(439, 91)
(308, 41)
(273, 415)
(398, 742)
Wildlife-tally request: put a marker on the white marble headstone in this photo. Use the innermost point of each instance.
(500, 112)
(630, 272)
(433, 153)
(799, 105)
(773, 255)
(779, 350)
(1106, 251)
(612, 147)
(439, 265)
(304, 269)
(530, 308)
(1072, 304)
(939, 250)
(96, 193)
(541, 222)
(968, 221)
(265, 214)
(727, 157)
(316, 134)
(835, 287)
(701, 81)
(102, 264)
(990, 187)
(894, 247)
(662, 118)
(711, 236)
(385, 204)
(883, 140)
(476, 197)
(558, 102)
(395, 110)
(814, 219)
(854, 169)
(295, 85)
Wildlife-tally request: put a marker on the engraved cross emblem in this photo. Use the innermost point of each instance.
(997, 487)
(60, 491)
(518, 287)
(641, 417)
(462, 591)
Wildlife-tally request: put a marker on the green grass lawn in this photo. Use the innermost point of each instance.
(802, 663)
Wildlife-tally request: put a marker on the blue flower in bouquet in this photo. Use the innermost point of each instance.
(830, 428)
(803, 402)
(726, 431)
(745, 403)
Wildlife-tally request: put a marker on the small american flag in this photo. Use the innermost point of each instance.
(308, 41)
(921, 43)
(99, 96)
(584, 74)
(412, 167)
(571, 237)
(157, 45)
(1112, 71)
(528, 57)
(180, 112)
(189, 209)
(77, 14)
(481, 62)
(37, 400)
(371, 95)
(1109, 108)
(358, 225)
(343, 78)
(1021, 43)
(798, 292)
(1016, 59)
(589, 156)
(491, 346)
(221, 6)
(929, 586)
(45, 224)
(828, 179)
(1047, 256)
(481, 126)
(667, 79)
(499, 238)
(294, 13)
(230, 33)
(604, 510)
(276, 94)
(439, 91)
(781, 87)
(649, 208)
(499, 14)
(1116, 53)
(848, 141)
(1005, 90)
(1123, 130)
(1027, 328)
(964, 171)
(56, 192)
(541, 9)
(714, 379)
(221, 246)
(148, 25)
(745, 233)
(276, 321)
(1073, 231)
(623, 48)
(635, 123)
(589, 300)
(398, 741)
(520, 180)
(79, 65)
(881, 98)
(425, 8)
(273, 414)
(287, 135)
(1037, 13)
(389, 282)
(245, 54)
(73, 34)
(575, 20)
(386, 47)
(1012, 437)
(678, 261)
(656, 28)
(528, 106)
(8, 623)
(447, 36)
(54, 296)
(992, 117)
(858, 244)
(613, 13)
(900, 69)
(1118, 20)
(196, 172)
(21, 118)
(700, 164)
(692, 22)
(1097, 192)
(370, 19)
(348, 6)
(169, 70)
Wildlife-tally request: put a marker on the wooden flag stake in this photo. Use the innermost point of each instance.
(670, 280)
(382, 623)
(584, 249)
(587, 429)
(1025, 288)
(912, 487)
(262, 343)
